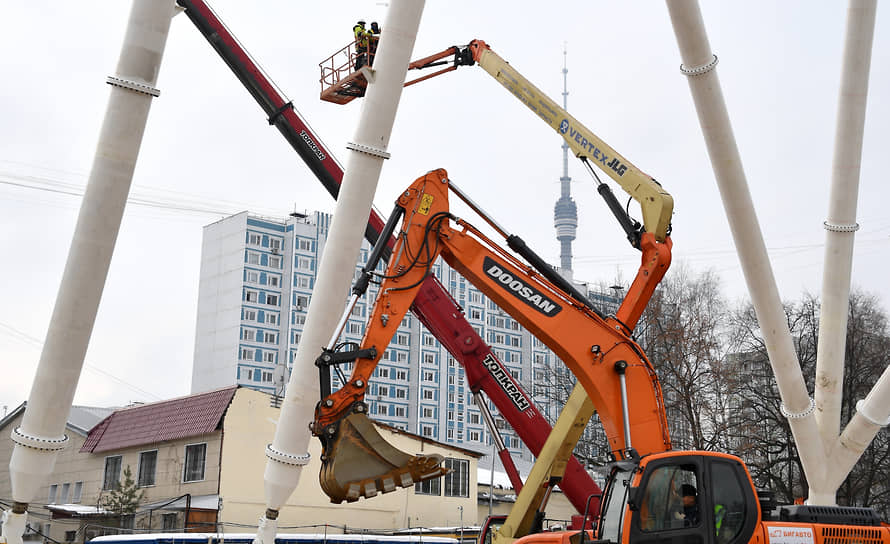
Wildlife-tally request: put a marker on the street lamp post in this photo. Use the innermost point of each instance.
(461, 508)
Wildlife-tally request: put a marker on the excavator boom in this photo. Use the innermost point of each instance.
(594, 348)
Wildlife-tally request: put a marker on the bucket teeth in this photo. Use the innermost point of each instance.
(358, 462)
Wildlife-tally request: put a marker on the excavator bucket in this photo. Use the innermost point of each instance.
(357, 462)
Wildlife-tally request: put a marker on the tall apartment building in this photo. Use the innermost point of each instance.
(257, 276)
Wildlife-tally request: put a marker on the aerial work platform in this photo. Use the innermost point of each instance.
(341, 81)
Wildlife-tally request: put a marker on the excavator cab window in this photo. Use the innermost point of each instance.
(670, 509)
(615, 504)
(732, 508)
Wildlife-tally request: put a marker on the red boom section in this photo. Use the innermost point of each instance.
(435, 308)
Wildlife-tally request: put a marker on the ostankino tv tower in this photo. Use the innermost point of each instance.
(565, 212)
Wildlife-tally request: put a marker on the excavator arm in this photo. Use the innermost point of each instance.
(598, 350)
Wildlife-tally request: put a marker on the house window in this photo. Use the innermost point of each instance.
(246, 354)
(269, 338)
(70, 536)
(401, 375)
(272, 319)
(475, 313)
(304, 263)
(53, 489)
(383, 391)
(274, 244)
(168, 522)
(474, 436)
(275, 262)
(194, 462)
(254, 239)
(427, 431)
(269, 356)
(428, 340)
(428, 412)
(267, 376)
(148, 464)
(457, 482)
(428, 394)
(302, 302)
(272, 300)
(249, 315)
(428, 487)
(253, 276)
(402, 356)
(401, 393)
(303, 282)
(253, 258)
(305, 245)
(63, 498)
(78, 492)
(274, 281)
(355, 328)
(429, 358)
(402, 339)
(248, 334)
(251, 296)
(112, 476)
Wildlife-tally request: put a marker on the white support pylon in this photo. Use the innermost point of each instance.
(699, 66)
(841, 223)
(287, 452)
(41, 435)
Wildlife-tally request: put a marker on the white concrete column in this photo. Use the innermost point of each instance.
(699, 66)
(841, 223)
(41, 434)
(287, 453)
(872, 413)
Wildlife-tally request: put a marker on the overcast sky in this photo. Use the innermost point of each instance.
(208, 150)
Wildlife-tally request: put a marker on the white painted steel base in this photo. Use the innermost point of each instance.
(13, 527)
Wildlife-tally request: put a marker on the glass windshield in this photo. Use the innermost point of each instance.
(614, 506)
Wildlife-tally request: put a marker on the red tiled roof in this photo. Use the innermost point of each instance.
(160, 421)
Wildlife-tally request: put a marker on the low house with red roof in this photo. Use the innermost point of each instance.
(200, 460)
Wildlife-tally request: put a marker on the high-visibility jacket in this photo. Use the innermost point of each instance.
(361, 37)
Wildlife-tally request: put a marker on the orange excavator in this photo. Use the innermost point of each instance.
(653, 494)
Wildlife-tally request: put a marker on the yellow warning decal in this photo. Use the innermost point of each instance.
(426, 202)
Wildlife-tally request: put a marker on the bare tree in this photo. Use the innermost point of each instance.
(761, 435)
(681, 332)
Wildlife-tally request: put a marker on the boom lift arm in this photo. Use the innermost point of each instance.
(656, 204)
(597, 350)
(434, 307)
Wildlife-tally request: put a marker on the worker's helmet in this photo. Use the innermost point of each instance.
(360, 22)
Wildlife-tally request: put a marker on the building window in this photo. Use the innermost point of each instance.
(249, 315)
(168, 522)
(274, 281)
(429, 487)
(253, 276)
(78, 492)
(304, 263)
(428, 412)
(275, 262)
(254, 239)
(272, 300)
(194, 462)
(305, 245)
(457, 482)
(253, 258)
(401, 356)
(474, 436)
(148, 464)
(274, 244)
(428, 340)
(269, 338)
(53, 489)
(251, 296)
(272, 319)
(429, 358)
(63, 498)
(112, 476)
(401, 393)
(248, 334)
(70, 536)
(403, 339)
(269, 356)
(427, 431)
(246, 354)
(383, 409)
(402, 375)
(428, 394)
(303, 282)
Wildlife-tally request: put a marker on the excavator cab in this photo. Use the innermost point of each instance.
(680, 497)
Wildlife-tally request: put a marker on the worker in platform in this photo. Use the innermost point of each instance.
(373, 40)
(362, 38)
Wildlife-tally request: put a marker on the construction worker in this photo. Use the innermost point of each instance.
(361, 43)
(374, 39)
